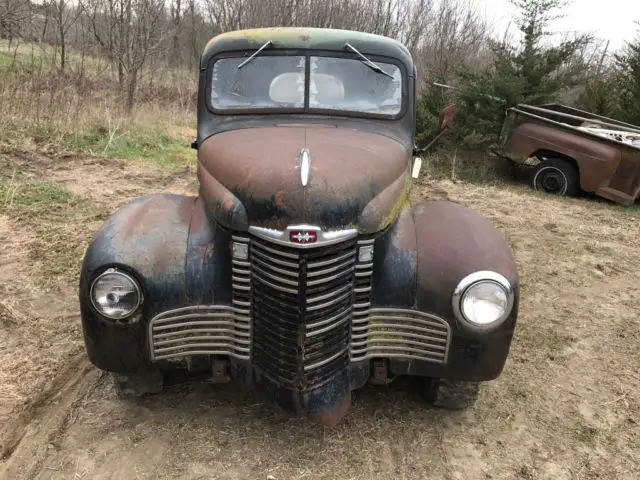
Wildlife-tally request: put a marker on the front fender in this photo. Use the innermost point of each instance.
(452, 242)
(422, 258)
(167, 243)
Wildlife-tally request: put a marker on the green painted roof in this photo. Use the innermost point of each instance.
(306, 38)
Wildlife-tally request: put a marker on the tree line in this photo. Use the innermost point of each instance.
(135, 34)
(452, 43)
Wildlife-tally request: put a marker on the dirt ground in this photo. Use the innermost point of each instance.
(566, 407)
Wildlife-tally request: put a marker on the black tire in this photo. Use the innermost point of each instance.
(452, 394)
(556, 176)
(137, 384)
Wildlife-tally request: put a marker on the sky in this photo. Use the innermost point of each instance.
(608, 19)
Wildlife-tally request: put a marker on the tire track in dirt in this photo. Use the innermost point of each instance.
(45, 418)
(38, 407)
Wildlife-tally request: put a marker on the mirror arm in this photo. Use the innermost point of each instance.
(417, 150)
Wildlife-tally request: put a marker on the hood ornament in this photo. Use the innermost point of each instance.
(305, 166)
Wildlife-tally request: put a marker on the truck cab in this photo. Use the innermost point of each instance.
(301, 268)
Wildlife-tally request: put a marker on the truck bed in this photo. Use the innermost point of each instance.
(605, 151)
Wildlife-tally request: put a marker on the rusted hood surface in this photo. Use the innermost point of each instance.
(253, 177)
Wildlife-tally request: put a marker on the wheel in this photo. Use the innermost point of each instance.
(137, 384)
(557, 177)
(452, 394)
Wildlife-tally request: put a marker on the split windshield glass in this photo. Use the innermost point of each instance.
(279, 82)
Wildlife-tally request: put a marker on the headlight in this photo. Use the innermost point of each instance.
(115, 294)
(483, 298)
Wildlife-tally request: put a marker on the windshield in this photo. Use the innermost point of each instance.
(278, 82)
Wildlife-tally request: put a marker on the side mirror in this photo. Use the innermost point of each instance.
(445, 124)
(195, 144)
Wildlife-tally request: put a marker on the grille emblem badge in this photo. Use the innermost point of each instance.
(303, 236)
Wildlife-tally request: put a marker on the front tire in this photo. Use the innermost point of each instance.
(452, 394)
(137, 384)
(556, 176)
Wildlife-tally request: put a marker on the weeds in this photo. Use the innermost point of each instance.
(81, 110)
(142, 144)
(453, 164)
(60, 222)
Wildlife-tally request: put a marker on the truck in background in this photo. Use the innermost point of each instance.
(570, 151)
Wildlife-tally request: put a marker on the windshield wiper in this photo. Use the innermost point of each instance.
(373, 66)
(268, 44)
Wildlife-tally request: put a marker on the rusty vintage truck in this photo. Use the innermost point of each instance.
(301, 269)
(572, 151)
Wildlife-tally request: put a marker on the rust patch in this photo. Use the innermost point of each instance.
(279, 199)
(185, 210)
(142, 219)
(386, 206)
(139, 219)
(331, 418)
(259, 160)
(260, 167)
(163, 257)
(198, 217)
(405, 236)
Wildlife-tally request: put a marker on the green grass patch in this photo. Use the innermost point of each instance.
(468, 166)
(144, 144)
(61, 224)
(6, 60)
(138, 142)
(33, 195)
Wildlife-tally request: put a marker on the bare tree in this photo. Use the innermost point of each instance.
(457, 36)
(14, 15)
(129, 32)
(64, 15)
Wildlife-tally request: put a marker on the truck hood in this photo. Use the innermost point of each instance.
(252, 177)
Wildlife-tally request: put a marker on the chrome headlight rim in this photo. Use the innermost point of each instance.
(473, 279)
(128, 276)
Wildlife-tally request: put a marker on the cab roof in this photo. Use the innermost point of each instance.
(306, 38)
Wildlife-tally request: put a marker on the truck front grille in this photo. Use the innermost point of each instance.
(399, 333)
(300, 316)
(200, 330)
(302, 310)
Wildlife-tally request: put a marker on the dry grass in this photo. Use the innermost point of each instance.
(60, 223)
(81, 110)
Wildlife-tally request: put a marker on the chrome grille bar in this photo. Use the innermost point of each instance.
(362, 303)
(208, 329)
(310, 288)
(200, 330)
(400, 333)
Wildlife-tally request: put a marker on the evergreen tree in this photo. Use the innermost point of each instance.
(530, 72)
(600, 96)
(628, 82)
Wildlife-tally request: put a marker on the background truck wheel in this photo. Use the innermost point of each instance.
(557, 177)
(452, 394)
(137, 384)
